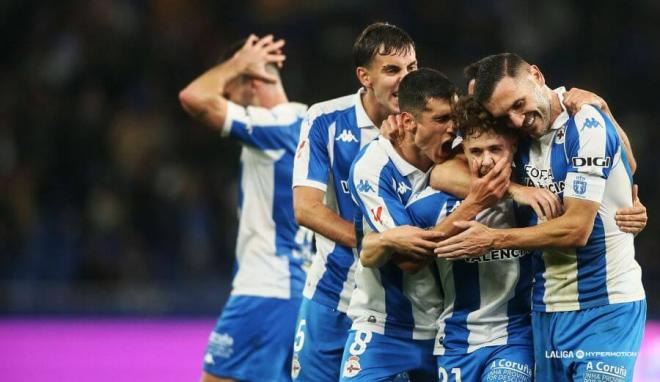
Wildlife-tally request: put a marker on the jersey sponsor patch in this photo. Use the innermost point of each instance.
(220, 345)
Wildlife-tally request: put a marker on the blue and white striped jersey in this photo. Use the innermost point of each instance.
(272, 250)
(332, 134)
(582, 157)
(487, 298)
(387, 300)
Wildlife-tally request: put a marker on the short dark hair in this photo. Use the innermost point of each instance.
(472, 119)
(380, 38)
(418, 86)
(489, 71)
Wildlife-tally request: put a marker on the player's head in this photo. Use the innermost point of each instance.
(426, 97)
(514, 90)
(246, 90)
(383, 55)
(485, 139)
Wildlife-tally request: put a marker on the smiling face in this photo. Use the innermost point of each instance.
(484, 149)
(384, 74)
(434, 130)
(524, 101)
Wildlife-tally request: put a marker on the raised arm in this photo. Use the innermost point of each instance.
(203, 98)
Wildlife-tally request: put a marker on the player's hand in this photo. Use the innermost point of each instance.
(256, 53)
(490, 188)
(412, 242)
(634, 219)
(546, 204)
(575, 98)
(392, 128)
(475, 240)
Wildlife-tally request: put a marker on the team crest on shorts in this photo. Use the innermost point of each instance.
(295, 367)
(352, 367)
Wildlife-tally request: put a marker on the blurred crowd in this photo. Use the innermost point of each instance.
(112, 201)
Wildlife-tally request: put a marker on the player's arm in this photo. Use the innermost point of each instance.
(202, 99)
(311, 169)
(570, 230)
(453, 177)
(575, 98)
(311, 212)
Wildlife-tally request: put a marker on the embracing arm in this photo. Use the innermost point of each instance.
(570, 230)
(311, 212)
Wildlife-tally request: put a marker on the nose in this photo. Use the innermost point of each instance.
(516, 119)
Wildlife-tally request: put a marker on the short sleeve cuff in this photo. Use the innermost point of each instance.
(234, 113)
(584, 186)
(310, 183)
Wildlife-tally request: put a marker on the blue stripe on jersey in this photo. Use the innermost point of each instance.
(263, 137)
(592, 268)
(520, 325)
(400, 321)
(341, 258)
(344, 153)
(467, 300)
(318, 154)
(286, 227)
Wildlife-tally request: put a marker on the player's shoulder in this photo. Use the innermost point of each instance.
(590, 117)
(329, 110)
(371, 158)
(283, 114)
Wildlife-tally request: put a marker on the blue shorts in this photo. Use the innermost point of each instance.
(373, 357)
(320, 337)
(505, 363)
(596, 344)
(252, 339)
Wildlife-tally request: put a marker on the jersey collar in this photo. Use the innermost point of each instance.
(563, 117)
(401, 164)
(361, 116)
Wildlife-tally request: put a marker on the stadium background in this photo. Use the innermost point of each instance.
(118, 215)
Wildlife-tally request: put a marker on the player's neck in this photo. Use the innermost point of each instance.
(555, 105)
(273, 98)
(412, 154)
(375, 111)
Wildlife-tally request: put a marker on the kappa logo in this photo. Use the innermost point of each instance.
(591, 123)
(364, 186)
(376, 212)
(346, 136)
(402, 188)
(352, 367)
(580, 185)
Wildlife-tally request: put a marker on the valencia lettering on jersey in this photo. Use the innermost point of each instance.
(498, 254)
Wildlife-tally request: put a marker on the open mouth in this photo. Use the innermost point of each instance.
(447, 145)
(529, 120)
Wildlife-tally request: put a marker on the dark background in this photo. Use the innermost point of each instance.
(113, 202)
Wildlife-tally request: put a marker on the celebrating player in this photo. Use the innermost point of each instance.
(243, 98)
(588, 300)
(332, 134)
(393, 311)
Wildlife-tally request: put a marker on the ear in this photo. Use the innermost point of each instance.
(471, 86)
(536, 74)
(408, 121)
(363, 76)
